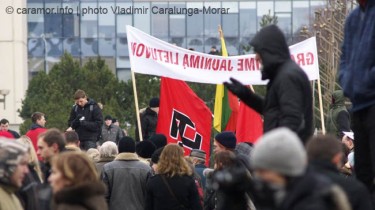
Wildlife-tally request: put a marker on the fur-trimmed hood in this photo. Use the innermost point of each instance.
(87, 195)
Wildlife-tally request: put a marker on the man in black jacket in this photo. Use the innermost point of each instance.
(325, 155)
(86, 119)
(288, 102)
(149, 120)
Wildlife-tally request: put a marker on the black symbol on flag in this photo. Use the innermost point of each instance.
(180, 126)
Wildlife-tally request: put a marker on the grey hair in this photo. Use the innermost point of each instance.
(108, 149)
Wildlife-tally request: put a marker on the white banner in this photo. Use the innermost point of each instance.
(149, 55)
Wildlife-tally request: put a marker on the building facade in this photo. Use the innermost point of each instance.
(13, 59)
(89, 28)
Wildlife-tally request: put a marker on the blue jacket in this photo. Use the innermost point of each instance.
(357, 65)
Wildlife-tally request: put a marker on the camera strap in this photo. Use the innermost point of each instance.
(171, 191)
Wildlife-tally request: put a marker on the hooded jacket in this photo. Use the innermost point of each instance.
(33, 133)
(89, 129)
(357, 65)
(338, 117)
(288, 101)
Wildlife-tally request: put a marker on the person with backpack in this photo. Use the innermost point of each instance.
(86, 119)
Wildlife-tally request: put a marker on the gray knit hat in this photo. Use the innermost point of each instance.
(11, 154)
(281, 151)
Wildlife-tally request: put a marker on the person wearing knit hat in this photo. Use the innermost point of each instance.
(144, 150)
(126, 145)
(280, 151)
(126, 177)
(279, 161)
(13, 169)
(149, 119)
(154, 102)
(159, 140)
(225, 140)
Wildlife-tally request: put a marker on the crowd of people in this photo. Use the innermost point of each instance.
(94, 165)
(278, 172)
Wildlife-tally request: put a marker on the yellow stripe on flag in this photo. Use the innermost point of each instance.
(218, 107)
(218, 110)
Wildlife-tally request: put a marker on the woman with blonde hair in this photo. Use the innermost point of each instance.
(173, 187)
(27, 193)
(33, 161)
(75, 183)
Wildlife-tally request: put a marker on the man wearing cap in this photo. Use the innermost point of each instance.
(279, 160)
(149, 119)
(348, 140)
(13, 169)
(110, 132)
(225, 140)
(126, 178)
(199, 160)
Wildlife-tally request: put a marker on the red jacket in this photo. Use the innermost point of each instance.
(6, 134)
(33, 134)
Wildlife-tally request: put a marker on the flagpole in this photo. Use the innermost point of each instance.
(321, 107)
(136, 106)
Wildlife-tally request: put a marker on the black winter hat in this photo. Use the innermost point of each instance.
(159, 140)
(227, 139)
(156, 155)
(126, 144)
(145, 149)
(108, 117)
(154, 102)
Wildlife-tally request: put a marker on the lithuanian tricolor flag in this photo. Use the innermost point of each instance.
(226, 104)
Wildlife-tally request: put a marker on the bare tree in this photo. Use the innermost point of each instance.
(328, 27)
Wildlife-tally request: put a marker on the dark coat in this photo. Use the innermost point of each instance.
(338, 119)
(86, 196)
(14, 134)
(28, 192)
(149, 120)
(357, 64)
(158, 196)
(310, 192)
(357, 193)
(199, 168)
(88, 129)
(288, 101)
